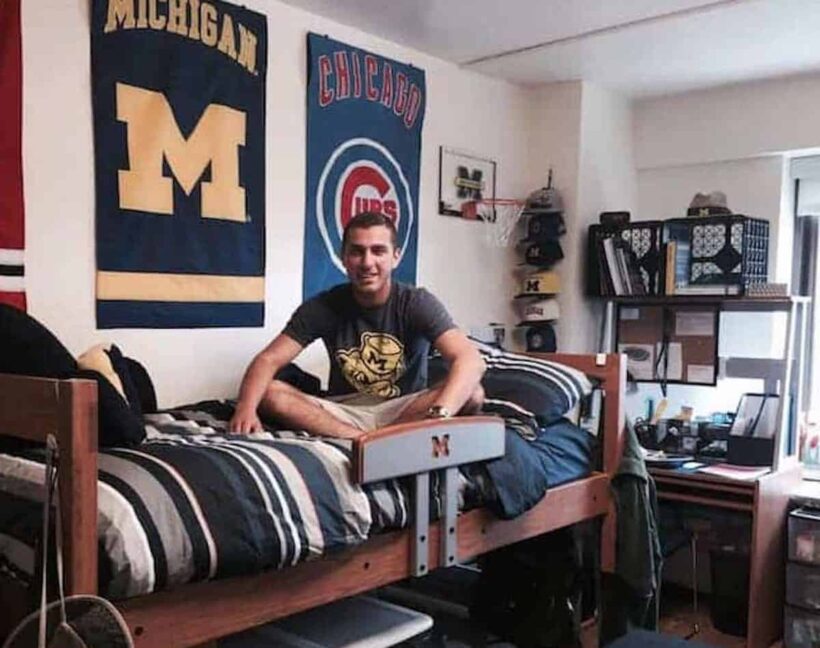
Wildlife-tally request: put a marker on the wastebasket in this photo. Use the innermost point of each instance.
(730, 589)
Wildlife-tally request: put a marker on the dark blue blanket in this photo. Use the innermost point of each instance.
(560, 453)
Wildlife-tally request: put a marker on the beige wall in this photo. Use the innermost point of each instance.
(464, 110)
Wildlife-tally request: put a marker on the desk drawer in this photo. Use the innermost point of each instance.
(804, 536)
(801, 628)
(803, 586)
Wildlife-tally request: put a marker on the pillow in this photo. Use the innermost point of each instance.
(29, 348)
(533, 391)
(146, 393)
(117, 424)
(545, 388)
(107, 360)
(119, 403)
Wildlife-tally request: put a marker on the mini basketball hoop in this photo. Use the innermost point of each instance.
(500, 216)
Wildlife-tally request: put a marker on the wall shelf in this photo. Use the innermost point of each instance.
(792, 364)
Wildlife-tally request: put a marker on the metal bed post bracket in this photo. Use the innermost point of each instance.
(418, 449)
(421, 523)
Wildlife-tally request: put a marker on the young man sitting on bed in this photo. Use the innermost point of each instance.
(378, 333)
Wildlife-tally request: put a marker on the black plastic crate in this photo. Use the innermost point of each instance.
(730, 250)
(801, 628)
(644, 239)
(804, 536)
(803, 586)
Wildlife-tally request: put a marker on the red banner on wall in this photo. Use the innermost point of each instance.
(12, 229)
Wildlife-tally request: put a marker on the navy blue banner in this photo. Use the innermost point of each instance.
(179, 135)
(364, 119)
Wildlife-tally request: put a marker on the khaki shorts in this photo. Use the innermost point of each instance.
(364, 411)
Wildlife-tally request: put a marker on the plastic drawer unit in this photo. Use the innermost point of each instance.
(804, 536)
(803, 586)
(801, 619)
(801, 628)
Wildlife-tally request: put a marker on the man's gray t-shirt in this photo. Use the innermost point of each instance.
(380, 351)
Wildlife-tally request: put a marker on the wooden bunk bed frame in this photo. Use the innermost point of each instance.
(194, 614)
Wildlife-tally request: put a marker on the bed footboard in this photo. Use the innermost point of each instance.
(610, 371)
(32, 408)
(422, 447)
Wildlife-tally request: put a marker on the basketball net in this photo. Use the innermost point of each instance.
(500, 216)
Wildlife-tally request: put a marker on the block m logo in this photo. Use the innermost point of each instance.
(441, 446)
(154, 136)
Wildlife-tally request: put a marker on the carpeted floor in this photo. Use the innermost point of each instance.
(679, 618)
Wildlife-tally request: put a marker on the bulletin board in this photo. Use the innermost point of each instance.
(671, 344)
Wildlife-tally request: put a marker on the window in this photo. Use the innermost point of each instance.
(806, 282)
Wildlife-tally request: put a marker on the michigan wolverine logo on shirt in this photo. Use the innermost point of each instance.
(179, 140)
(375, 365)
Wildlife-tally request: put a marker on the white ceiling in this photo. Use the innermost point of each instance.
(638, 47)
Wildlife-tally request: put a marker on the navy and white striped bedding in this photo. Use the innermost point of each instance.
(528, 392)
(192, 503)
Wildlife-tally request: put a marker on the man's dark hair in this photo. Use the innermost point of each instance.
(370, 219)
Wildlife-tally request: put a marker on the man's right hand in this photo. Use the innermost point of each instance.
(245, 422)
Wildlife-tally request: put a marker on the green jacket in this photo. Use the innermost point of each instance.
(630, 599)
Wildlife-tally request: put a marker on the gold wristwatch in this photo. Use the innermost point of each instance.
(438, 412)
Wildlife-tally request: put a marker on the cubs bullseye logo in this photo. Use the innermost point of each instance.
(361, 175)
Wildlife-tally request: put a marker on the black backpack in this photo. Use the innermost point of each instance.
(530, 593)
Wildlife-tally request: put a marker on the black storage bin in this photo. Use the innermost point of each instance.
(804, 536)
(644, 239)
(727, 250)
(803, 586)
(801, 628)
(730, 590)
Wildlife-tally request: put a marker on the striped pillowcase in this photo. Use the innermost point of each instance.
(529, 392)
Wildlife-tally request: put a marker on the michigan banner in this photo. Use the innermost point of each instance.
(179, 134)
(364, 120)
(12, 228)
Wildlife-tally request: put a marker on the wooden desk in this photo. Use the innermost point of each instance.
(767, 500)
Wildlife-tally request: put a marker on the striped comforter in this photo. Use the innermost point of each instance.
(192, 503)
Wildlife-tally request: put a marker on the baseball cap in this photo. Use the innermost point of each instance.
(544, 225)
(538, 284)
(543, 310)
(545, 198)
(541, 338)
(543, 253)
(708, 204)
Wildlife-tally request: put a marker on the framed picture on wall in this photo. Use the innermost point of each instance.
(463, 177)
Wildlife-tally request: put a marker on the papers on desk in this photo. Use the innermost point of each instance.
(661, 459)
(731, 471)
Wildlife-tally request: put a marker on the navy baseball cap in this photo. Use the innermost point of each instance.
(541, 338)
(544, 225)
(543, 254)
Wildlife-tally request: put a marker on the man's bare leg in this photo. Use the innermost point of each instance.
(288, 405)
(416, 410)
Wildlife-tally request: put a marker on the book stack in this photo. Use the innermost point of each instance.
(625, 258)
(620, 269)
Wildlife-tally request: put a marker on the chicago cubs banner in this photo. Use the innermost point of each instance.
(179, 133)
(11, 164)
(364, 119)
